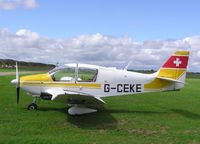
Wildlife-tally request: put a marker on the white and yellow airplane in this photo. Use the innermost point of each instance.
(81, 85)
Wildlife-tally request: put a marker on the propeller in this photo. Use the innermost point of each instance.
(18, 89)
(17, 83)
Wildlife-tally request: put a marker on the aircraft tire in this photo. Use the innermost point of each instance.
(32, 106)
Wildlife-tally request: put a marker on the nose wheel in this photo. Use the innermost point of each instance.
(32, 106)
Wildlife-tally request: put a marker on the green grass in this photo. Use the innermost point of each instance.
(168, 117)
(7, 70)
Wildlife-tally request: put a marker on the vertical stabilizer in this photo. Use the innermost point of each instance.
(175, 68)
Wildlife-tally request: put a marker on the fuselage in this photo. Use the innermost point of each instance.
(108, 82)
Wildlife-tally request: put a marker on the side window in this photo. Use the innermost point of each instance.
(67, 74)
(87, 75)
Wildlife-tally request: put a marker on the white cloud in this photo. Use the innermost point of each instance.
(95, 49)
(30, 4)
(12, 4)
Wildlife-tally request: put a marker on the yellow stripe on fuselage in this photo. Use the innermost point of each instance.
(61, 84)
(37, 77)
(45, 80)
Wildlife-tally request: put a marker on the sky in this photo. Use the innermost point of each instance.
(103, 32)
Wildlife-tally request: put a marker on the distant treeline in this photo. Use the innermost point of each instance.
(193, 75)
(189, 74)
(8, 63)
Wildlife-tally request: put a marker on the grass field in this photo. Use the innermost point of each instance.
(168, 117)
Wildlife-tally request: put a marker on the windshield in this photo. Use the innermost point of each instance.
(65, 74)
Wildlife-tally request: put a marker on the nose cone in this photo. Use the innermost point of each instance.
(14, 81)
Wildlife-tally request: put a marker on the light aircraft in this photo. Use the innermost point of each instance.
(81, 85)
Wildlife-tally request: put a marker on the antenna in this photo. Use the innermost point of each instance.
(57, 64)
(127, 65)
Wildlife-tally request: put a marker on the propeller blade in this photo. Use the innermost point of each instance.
(17, 83)
(18, 89)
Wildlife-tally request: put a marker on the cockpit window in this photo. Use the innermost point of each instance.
(74, 74)
(87, 75)
(66, 74)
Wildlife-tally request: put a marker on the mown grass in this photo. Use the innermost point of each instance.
(168, 117)
(7, 70)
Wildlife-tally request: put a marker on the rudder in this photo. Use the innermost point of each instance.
(175, 68)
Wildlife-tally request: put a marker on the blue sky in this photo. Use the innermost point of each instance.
(103, 32)
(141, 19)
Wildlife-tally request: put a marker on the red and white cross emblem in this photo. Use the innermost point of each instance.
(177, 62)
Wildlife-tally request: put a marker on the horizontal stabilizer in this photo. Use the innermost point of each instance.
(170, 79)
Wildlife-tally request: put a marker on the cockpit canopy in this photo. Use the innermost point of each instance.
(75, 73)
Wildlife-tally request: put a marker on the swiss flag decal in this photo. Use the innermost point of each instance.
(176, 62)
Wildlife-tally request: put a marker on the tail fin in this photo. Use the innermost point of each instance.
(175, 69)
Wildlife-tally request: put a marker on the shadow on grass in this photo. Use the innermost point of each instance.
(103, 119)
(99, 120)
(134, 111)
(186, 113)
(62, 110)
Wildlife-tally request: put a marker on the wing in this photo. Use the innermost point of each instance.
(73, 97)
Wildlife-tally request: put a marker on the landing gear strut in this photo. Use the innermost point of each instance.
(33, 105)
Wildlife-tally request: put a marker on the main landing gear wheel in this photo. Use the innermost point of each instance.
(32, 106)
